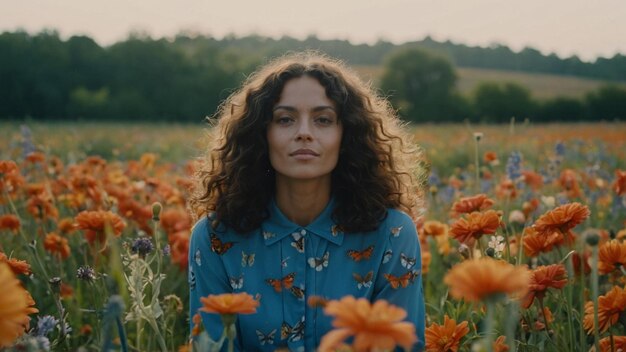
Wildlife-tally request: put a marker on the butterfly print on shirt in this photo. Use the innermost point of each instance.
(247, 259)
(266, 339)
(191, 278)
(218, 246)
(395, 231)
(298, 242)
(406, 261)
(293, 334)
(298, 292)
(267, 235)
(360, 255)
(197, 257)
(387, 256)
(363, 281)
(319, 263)
(285, 282)
(403, 280)
(236, 283)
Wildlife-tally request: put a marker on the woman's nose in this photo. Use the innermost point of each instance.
(304, 131)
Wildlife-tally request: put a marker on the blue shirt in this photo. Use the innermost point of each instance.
(285, 263)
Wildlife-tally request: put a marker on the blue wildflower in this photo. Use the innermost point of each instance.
(86, 273)
(514, 166)
(46, 324)
(559, 149)
(166, 250)
(142, 246)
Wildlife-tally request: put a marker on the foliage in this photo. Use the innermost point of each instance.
(421, 85)
(498, 103)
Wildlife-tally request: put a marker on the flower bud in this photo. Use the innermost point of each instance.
(592, 239)
(156, 211)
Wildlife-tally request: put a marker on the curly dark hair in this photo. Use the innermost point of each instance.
(379, 167)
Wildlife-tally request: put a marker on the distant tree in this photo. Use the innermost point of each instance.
(607, 103)
(420, 85)
(498, 103)
(561, 109)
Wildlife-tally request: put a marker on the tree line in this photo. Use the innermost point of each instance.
(185, 78)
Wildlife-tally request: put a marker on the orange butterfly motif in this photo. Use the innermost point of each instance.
(286, 282)
(360, 255)
(363, 281)
(218, 246)
(401, 281)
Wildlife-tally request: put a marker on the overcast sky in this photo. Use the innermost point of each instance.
(566, 27)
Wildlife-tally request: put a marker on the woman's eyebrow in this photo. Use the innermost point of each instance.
(315, 109)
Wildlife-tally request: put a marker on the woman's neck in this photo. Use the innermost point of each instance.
(302, 201)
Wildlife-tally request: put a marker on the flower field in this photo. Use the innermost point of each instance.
(523, 239)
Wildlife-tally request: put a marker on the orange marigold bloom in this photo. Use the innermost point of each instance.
(612, 255)
(36, 157)
(229, 303)
(95, 222)
(376, 326)
(543, 278)
(619, 186)
(619, 344)
(57, 245)
(446, 337)
(41, 206)
(478, 279)
(536, 243)
(15, 306)
(66, 226)
(610, 306)
(569, 182)
(10, 177)
(468, 205)
(435, 228)
(532, 179)
(563, 218)
(506, 189)
(474, 225)
(491, 158)
(9, 222)
(85, 329)
(16, 265)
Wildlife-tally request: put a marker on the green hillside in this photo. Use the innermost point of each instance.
(542, 86)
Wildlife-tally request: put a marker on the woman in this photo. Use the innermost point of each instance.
(309, 190)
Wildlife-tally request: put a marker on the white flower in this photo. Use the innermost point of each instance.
(497, 243)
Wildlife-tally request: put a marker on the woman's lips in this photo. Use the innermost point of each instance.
(304, 154)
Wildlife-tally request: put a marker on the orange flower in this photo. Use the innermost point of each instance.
(229, 303)
(533, 179)
(468, 205)
(506, 189)
(56, 245)
(474, 225)
(36, 157)
(9, 222)
(17, 266)
(536, 243)
(612, 255)
(10, 177)
(15, 305)
(491, 158)
(86, 329)
(563, 218)
(41, 206)
(619, 186)
(619, 344)
(499, 345)
(610, 306)
(576, 261)
(478, 279)
(569, 182)
(66, 226)
(426, 259)
(446, 337)
(66, 291)
(376, 326)
(435, 228)
(95, 222)
(543, 278)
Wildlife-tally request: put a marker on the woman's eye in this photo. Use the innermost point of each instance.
(283, 120)
(324, 120)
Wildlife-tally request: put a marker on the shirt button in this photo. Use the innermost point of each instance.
(303, 232)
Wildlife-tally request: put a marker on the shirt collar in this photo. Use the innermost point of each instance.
(277, 226)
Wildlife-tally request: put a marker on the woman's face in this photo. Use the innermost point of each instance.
(304, 134)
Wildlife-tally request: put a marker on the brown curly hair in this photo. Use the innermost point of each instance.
(379, 166)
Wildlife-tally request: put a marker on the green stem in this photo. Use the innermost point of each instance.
(489, 324)
(477, 166)
(594, 292)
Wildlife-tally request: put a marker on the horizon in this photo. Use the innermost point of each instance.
(560, 27)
